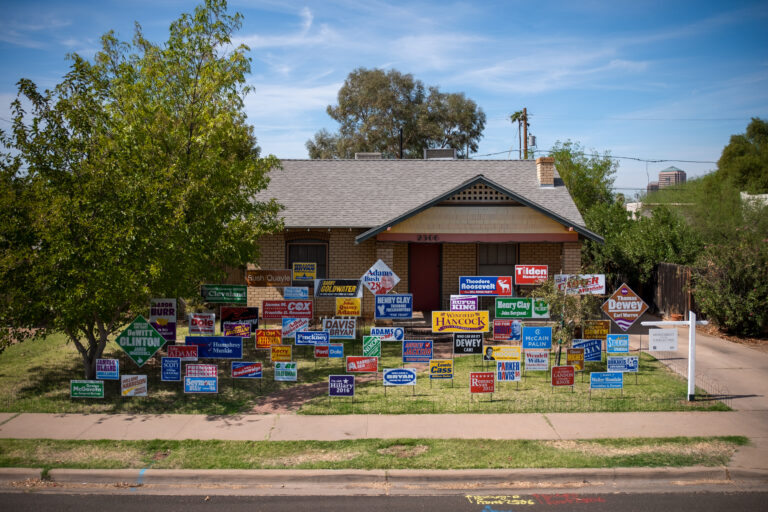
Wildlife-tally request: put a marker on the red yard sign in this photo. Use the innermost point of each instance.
(185, 352)
(362, 364)
(202, 370)
(265, 338)
(563, 375)
(531, 274)
(481, 382)
(321, 351)
(286, 308)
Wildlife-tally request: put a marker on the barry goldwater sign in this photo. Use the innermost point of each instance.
(107, 369)
(468, 343)
(341, 385)
(398, 305)
(162, 316)
(337, 287)
(521, 308)
(140, 341)
(86, 388)
(662, 340)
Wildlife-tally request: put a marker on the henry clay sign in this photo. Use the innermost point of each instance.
(624, 307)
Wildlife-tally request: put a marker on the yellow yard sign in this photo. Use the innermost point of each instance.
(460, 321)
(348, 306)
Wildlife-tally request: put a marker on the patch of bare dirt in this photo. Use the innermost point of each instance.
(290, 400)
(307, 457)
(402, 451)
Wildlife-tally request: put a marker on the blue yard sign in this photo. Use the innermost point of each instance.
(107, 369)
(606, 380)
(394, 305)
(617, 343)
(246, 370)
(170, 369)
(417, 351)
(201, 385)
(336, 351)
(630, 364)
(313, 338)
(399, 377)
(537, 337)
(593, 350)
(217, 347)
(507, 370)
(389, 333)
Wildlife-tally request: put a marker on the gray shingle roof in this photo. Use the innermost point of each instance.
(368, 193)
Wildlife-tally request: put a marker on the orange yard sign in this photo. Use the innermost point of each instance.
(347, 306)
(265, 338)
(624, 307)
(281, 353)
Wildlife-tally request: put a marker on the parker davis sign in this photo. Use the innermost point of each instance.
(394, 306)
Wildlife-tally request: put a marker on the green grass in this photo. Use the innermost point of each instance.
(34, 377)
(369, 453)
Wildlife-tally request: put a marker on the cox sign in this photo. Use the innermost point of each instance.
(287, 308)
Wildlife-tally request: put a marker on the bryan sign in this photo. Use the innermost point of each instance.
(592, 349)
(464, 302)
(531, 274)
(417, 351)
(265, 338)
(217, 347)
(380, 279)
(246, 370)
(341, 385)
(537, 337)
(521, 308)
(271, 278)
(507, 330)
(394, 306)
(460, 321)
(563, 375)
(624, 307)
(293, 325)
(481, 382)
(140, 341)
(183, 352)
(362, 364)
(304, 271)
(580, 284)
(388, 333)
(337, 287)
(287, 308)
(240, 315)
(348, 306)
(202, 323)
(399, 377)
(486, 285)
(468, 343)
(224, 293)
(162, 316)
(340, 328)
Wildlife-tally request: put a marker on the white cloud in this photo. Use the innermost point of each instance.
(285, 101)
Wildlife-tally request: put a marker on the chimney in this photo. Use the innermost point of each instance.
(368, 156)
(545, 171)
(440, 154)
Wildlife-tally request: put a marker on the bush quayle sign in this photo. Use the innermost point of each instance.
(201, 384)
(170, 369)
(521, 308)
(580, 284)
(486, 285)
(380, 279)
(86, 388)
(394, 306)
(270, 278)
(362, 364)
(537, 360)
(312, 338)
(304, 271)
(417, 351)
(481, 382)
(388, 333)
(531, 274)
(224, 293)
(286, 308)
(468, 343)
(265, 338)
(460, 321)
(399, 377)
(246, 370)
(507, 330)
(162, 316)
(140, 341)
(464, 302)
(217, 347)
(630, 364)
(624, 307)
(337, 287)
(606, 380)
(563, 375)
(508, 371)
(133, 385)
(341, 385)
(440, 369)
(184, 352)
(662, 340)
(617, 343)
(537, 337)
(293, 325)
(202, 323)
(240, 315)
(286, 371)
(593, 349)
(107, 369)
(341, 328)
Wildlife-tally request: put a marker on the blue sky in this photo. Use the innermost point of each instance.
(649, 80)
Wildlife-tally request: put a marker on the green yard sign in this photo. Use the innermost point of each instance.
(86, 388)
(140, 341)
(372, 346)
(224, 293)
(521, 307)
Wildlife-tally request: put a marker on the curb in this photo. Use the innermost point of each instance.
(8, 475)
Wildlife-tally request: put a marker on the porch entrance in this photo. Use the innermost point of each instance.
(424, 276)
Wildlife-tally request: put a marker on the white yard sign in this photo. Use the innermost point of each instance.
(662, 340)
(380, 279)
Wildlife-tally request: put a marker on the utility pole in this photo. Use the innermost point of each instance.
(525, 133)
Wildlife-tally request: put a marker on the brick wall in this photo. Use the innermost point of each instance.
(549, 254)
(458, 260)
(572, 257)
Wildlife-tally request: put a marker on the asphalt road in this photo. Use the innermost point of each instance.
(688, 502)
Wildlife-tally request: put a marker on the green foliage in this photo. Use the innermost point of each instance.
(588, 178)
(137, 173)
(567, 311)
(373, 105)
(744, 161)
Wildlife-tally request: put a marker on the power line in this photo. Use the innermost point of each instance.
(637, 159)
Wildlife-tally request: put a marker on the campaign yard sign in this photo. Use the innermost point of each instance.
(581, 284)
(460, 321)
(224, 293)
(107, 369)
(268, 278)
(389, 333)
(380, 279)
(468, 343)
(184, 352)
(508, 371)
(531, 274)
(624, 307)
(201, 384)
(201, 370)
(593, 349)
(537, 360)
(295, 292)
(140, 341)
(348, 306)
(481, 382)
(399, 377)
(336, 351)
(337, 287)
(341, 385)
(322, 351)
(202, 323)
(286, 371)
(217, 347)
(628, 364)
(362, 364)
(286, 309)
(170, 369)
(501, 353)
(237, 329)
(575, 357)
(133, 385)
(246, 370)
(372, 346)
(292, 325)
(521, 308)
(662, 340)
(162, 316)
(86, 388)
(617, 343)
(398, 305)
(488, 286)
(304, 271)
(417, 351)
(243, 315)
(606, 380)
(281, 353)
(596, 329)
(265, 338)
(440, 369)
(537, 337)
(340, 328)
(312, 338)
(507, 330)
(464, 302)
(563, 375)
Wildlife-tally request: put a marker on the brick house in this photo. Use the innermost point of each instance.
(430, 220)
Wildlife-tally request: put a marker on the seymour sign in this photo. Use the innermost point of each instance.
(287, 308)
(624, 307)
(531, 274)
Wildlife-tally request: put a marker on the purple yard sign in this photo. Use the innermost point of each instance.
(341, 385)
(464, 303)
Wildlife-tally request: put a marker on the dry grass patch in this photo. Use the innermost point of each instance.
(307, 457)
(402, 451)
(125, 456)
(705, 448)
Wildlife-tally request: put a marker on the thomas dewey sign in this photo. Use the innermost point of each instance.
(140, 341)
(624, 307)
(531, 274)
(468, 343)
(271, 278)
(380, 279)
(460, 321)
(224, 293)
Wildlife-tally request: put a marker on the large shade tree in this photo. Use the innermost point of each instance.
(133, 178)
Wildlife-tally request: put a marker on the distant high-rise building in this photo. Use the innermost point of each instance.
(671, 176)
(653, 186)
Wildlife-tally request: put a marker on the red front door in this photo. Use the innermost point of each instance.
(424, 276)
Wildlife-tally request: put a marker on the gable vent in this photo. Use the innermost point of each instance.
(479, 193)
